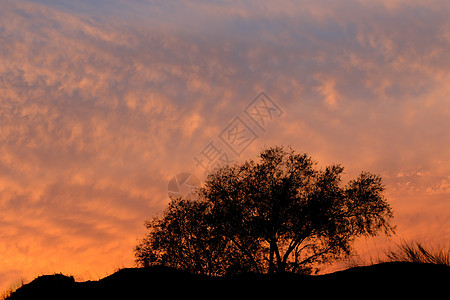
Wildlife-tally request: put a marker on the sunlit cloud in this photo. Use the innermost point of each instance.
(103, 102)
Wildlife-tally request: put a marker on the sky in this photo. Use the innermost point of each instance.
(104, 105)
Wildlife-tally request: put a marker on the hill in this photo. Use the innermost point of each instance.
(133, 283)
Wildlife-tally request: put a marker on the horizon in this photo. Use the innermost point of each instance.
(106, 105)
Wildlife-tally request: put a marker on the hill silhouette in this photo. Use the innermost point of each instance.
(133, 283)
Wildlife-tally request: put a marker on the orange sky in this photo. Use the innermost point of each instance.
(103, 102)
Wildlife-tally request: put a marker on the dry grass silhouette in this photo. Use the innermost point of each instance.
(405, 251)
(418, 252)
(11, 289)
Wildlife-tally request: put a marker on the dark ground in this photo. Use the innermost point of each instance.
(387, 280)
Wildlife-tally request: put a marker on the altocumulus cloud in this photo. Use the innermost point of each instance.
(101, 102)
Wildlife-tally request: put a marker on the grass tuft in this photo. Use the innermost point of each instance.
(11, 289)
(418, 252)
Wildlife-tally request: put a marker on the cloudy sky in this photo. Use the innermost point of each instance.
(103, 102)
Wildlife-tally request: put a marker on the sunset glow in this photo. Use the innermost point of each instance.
(103, 102)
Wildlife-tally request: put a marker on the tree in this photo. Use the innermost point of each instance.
(279, 214)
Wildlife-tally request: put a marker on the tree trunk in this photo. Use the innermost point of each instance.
(280, 264)
(281, 267)
(271, 254)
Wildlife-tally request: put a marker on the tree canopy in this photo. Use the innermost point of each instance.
(278, 214)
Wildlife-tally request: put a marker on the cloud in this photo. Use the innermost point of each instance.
(101, 104)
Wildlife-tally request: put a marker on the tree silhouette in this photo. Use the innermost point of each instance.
(279, 214)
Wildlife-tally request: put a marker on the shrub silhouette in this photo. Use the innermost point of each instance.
(275, 215)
